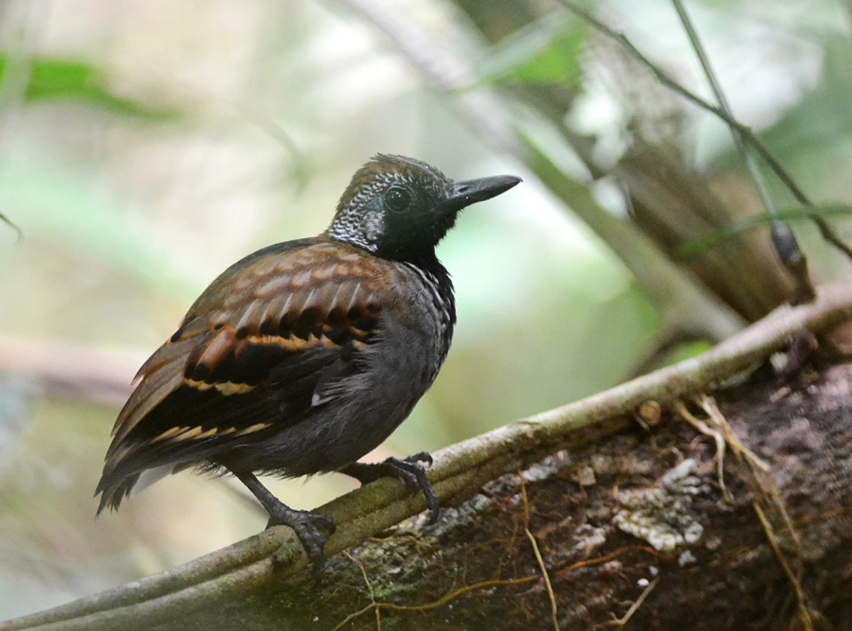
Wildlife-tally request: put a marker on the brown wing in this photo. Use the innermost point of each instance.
(262, 345)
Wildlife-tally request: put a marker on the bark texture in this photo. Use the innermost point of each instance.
(639, 515)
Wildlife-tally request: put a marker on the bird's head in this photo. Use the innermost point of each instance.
(400, 208)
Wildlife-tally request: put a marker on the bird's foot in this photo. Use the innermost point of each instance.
(307, 526)
(410, 470)
(304, 523)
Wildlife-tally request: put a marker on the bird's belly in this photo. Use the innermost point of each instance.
(370, 405)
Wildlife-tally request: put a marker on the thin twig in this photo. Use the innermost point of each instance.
(446, 598)
(801, 599)
(740, 450)
(635, 606)
(828, 233)
(690, 96)
(722, 100)
(697, 246)
(373, 602)
(538, 557)
(544, 574)
(579, 565)
(716, 435)
(783, 239)
(352, 616)
(763, 478)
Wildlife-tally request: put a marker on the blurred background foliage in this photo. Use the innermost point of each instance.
(145, 146)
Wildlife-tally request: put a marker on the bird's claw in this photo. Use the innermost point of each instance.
(410, 470)
(420, 456)
(413, 474)
(306, 525)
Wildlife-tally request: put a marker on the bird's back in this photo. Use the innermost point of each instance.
(298, 359)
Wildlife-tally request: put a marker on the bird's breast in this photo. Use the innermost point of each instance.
(427, 305)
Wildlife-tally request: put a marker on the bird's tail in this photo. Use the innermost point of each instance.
(114, 490)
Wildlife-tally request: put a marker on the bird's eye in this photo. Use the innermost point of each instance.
(397, 198)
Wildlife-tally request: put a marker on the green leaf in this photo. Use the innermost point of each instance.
(54, 79)
(697, 247)
(545, 52)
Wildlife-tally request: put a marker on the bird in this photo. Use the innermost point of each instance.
(305, 355)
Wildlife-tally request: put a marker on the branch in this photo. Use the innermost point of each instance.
(459, 471)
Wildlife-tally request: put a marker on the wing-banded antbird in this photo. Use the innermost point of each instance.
(306, 355)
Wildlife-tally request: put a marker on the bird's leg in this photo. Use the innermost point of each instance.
(303, 523)
(409, 470)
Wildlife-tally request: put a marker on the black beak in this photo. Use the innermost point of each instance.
(469, 192)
